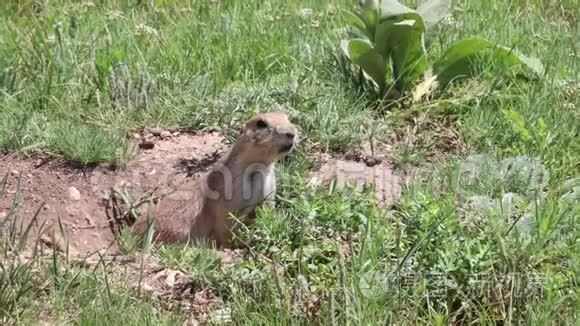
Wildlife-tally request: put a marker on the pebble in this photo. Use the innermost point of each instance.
(15, 172)
(156, 131)
(123, 183)
(165, 134)
(40, 162)
(372, 161)
(108, 166)
(74, 194)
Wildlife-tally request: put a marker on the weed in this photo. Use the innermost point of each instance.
(88, 145)
(391, 35)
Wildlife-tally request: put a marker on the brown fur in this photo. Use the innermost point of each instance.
(238, 183)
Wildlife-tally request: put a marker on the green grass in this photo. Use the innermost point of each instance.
(67, 294)
(486, 232)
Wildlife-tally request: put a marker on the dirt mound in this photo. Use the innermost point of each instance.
(78, 198)
(361, 169)
(79, 201)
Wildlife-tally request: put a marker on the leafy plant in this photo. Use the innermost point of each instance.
(390, 39)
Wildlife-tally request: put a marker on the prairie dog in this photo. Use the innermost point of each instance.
(238, 183)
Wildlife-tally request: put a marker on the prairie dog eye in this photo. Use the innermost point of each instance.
(261, 124)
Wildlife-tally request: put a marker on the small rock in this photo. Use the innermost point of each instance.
(15, 172)
(165, 134)
(122, 183)
(45, 207)
(3, 214)
(372, 161)
(156, 131)
(74, 194)
(40, 162)
(147, 144)
(171, 276)
(175, 134)
(136, 136)
(108, 166)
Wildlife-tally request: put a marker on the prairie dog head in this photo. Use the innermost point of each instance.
(267, 137)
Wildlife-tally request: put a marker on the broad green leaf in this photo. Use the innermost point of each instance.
(433, 11)
(344, 47)
(358, 48)
(370, 13)
(363, 54)
(368, 5)
(465, 58)
(394, 11)
(406, 22)
(534, 64)
(408, 57)
(355, 21)
(399, 37)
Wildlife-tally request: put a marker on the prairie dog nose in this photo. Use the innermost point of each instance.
(288, 132)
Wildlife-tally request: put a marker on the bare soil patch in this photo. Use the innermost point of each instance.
(78, 197)
(361, 169)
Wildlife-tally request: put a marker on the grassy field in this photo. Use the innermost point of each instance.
(486, 232)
